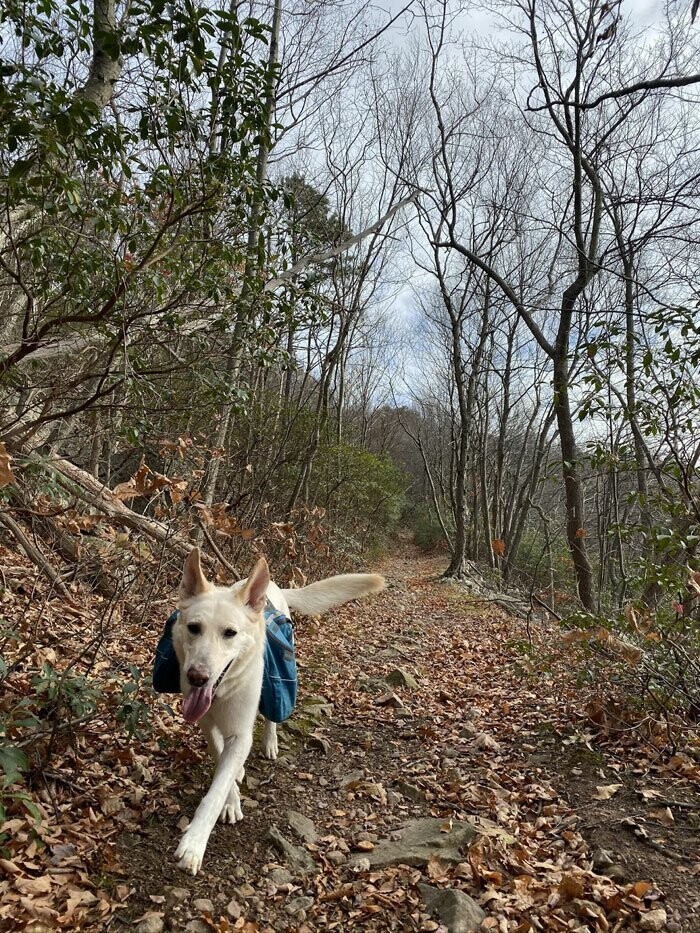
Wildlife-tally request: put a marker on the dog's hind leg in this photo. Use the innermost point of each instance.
(215, 744)
(269, 740)
(231, 811)
(215, 740)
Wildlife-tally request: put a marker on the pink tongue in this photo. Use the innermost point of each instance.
(196, 703)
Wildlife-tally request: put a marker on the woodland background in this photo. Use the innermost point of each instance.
(290, 277)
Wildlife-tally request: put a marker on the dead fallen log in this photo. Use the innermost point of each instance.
(96, 494)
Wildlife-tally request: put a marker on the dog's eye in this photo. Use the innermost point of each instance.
(230, 633)
(194, 629)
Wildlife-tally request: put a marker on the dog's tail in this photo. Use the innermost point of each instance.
(317, 598)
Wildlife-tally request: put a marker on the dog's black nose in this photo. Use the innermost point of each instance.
(197, 675)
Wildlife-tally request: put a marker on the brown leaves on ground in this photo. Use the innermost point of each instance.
(462, 747)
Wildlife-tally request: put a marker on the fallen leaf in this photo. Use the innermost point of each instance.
(606, 791)
(111, 805)
(6, 474)
(570, 887)
(33, 886)
(436, 869)
(663, 816)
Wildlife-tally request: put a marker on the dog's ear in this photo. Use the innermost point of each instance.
(255, 590)
(193, 580)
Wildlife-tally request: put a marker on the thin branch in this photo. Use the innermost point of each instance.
(650, 85)
(337, 250)
(215, 548)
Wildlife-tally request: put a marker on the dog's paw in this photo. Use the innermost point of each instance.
(270, 747)
(190, 854)
(231, 813)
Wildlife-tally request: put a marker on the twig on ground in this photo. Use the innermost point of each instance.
(664, 850)
(682, 804)
(545, 605)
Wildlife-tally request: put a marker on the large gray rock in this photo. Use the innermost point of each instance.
(390, 700)
(410, 791)
(152, 924)
(203, 904)
(654, 920)
(297, 904)
(280, 876)
(176, 896)
(297, 858)
(400, 677)
(418, 841)
(352, 777)
(459, 912)
(302, 826)
(369, 684)
(317, 707)
(234, 909)
(197, 926)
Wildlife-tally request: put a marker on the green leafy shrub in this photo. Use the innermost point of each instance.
(532, 562)
(364, 494)
(427, 533)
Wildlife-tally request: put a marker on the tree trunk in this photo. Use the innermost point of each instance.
(243, 316)
(631, 390)
(573, 488)
(106, 66)
(459, 548)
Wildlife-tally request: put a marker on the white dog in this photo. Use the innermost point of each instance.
(219, 639)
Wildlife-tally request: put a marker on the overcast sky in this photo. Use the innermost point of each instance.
(645, 12)
(482, 23)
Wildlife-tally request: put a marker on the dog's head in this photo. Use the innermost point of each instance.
(218, 627)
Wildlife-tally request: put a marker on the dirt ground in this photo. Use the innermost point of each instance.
(474, 739)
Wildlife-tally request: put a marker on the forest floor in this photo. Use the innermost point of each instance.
(476, 729)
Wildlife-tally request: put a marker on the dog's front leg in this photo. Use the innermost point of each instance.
(231, 811)
(190, 852)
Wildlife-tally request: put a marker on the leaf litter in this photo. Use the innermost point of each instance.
(460, 746)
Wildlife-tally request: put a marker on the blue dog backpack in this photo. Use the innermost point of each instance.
(279, 686)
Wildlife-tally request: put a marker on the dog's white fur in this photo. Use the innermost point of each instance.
(204, 646)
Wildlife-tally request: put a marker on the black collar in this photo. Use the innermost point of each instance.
(220, 678)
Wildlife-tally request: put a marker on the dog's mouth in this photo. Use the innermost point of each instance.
(197, 703)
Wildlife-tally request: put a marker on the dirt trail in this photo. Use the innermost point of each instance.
(475, 739)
